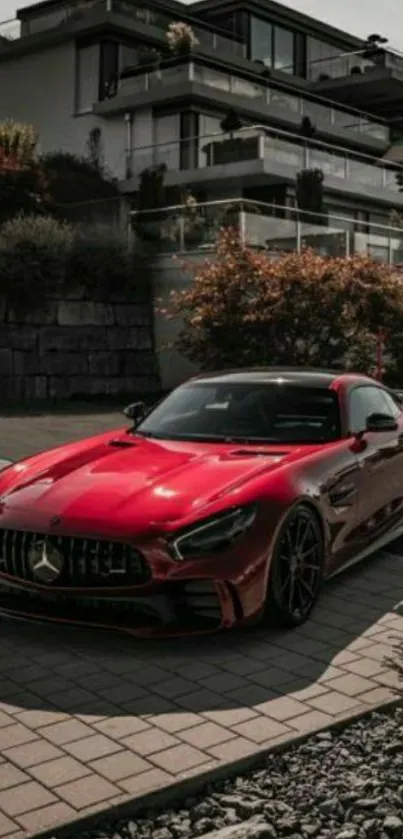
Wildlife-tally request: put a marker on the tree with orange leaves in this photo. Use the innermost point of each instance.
(245, 307)
(23, 184)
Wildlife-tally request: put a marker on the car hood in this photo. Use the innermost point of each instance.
(130, 483)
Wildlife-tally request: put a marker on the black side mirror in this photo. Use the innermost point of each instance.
(135, 411)
(381, 422)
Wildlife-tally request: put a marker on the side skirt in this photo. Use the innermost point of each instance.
(376, 546)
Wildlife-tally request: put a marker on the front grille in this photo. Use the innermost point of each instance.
(73, 562)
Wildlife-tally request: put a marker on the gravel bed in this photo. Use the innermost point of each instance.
(342, 785)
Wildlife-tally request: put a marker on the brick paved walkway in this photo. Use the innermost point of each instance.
(89, 720)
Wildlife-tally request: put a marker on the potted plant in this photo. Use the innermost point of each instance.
(231, 149)
(308, 129)
(149, 58)
(310, 196)
(181, 38)
(373, 49)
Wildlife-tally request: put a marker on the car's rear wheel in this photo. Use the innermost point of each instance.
(297, 568)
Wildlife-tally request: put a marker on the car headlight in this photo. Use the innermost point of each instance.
(213, 534)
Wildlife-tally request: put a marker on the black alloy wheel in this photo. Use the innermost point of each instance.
(297, 569)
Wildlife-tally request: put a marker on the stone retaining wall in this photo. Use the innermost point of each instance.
(77, 348)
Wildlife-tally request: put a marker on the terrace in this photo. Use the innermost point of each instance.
(261, 225)
(267, 155)
(65, 14)
(347, 123)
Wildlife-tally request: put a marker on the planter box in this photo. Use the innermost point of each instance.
(232, 151)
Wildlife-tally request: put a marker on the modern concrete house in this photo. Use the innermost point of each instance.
(73, 66)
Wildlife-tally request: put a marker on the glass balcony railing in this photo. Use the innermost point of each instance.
(275, 228)
(293, 107)
(209, 39)
(275, 148)
(353, 64)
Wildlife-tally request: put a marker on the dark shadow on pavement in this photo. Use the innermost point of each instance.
(89, 672)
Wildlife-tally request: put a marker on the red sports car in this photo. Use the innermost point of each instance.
(228, 503)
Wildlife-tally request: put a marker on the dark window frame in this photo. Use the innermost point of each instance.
(299, 54)
(107, 75)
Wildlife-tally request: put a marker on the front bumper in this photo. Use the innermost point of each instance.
(189, 607)
(113, 585)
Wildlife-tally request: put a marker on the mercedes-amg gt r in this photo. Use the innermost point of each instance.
(228, 503)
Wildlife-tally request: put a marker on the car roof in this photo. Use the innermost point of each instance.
(298, 376)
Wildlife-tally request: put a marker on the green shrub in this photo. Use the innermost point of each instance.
(33, 257)
(100, 262)
(41, 258)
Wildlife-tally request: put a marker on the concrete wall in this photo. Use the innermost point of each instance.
(40, 89)
(169, 276)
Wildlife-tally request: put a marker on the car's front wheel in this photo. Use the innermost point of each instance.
(296, 570)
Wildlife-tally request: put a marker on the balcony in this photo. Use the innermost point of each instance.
(267, 226)
(350, 77)
(267, 155)
(269, 101)
(78, 10)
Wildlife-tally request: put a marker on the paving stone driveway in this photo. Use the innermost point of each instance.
(89, 720)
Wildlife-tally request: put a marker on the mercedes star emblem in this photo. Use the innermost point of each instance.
(45, 562)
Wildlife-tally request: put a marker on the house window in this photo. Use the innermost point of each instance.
(324, 60)
(87, 77)
(209, 127)
(109, 68)
(189, 141)
(261, 40)
(167, 140)
(273, 45)
(284, 58)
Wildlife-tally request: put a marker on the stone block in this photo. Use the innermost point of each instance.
(121, 337)
(6, 362)
(72, 339)
(65, 363)
(131, 315)
(24, 387)
(58, 386)
(84, 312)
(135, 363)
(41, 317)
(136, 385)
(28, 363)
(103, 363)
(22, 337)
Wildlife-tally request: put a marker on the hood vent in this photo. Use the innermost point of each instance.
(119, 443)
(257, 453)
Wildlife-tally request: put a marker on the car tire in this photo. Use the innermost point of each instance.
(296, 570)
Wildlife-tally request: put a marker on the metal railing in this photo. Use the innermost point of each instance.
(353, 63)
(208, 38)
(294, 107)
(193, 226)
(275, 148)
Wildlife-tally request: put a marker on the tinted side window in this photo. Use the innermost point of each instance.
(393, 407)
(365, 401)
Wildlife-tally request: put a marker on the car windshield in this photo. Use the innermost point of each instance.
(259, 412)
